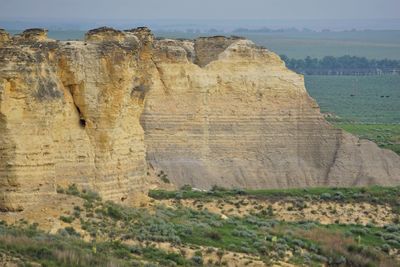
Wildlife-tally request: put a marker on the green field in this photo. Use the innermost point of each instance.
(367, 106)
(385, 135)
(369, 44)
(359, 99)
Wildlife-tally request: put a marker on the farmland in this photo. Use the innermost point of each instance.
(367, 106)
(359, 99)
(369, 44)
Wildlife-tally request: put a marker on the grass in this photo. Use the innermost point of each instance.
(385, 135)
(374, 194)
(29, 244)
(112, 226)
(356, 245)
(300, 45)
(366, 106)
(358, 99)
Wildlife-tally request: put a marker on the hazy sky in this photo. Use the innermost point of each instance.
(199, 9)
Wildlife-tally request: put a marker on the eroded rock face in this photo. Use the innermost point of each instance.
(244, 120)
(69, 113)
(4, 36)
(96, 112)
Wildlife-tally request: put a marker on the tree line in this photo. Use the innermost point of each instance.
(344, 65)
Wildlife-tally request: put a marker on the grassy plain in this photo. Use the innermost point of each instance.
(367, 106)
(385, 135)
(172, 234)
(358, 99)
(369, 44)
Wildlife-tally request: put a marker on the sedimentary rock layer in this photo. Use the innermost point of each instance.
(213, 111)
(242, 119)
(69, 113)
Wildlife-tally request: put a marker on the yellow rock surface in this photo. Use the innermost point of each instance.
(211, 111)
(244, 120)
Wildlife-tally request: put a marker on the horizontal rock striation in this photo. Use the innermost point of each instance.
(237, 117)
(213, 111)
(69, 113)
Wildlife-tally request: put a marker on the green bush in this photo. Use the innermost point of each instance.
(72, 190)
(214, 235)
(71, 231)
(67, 219)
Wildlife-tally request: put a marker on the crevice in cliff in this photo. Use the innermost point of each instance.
(82, 121)
(335, 156)
(160, 75)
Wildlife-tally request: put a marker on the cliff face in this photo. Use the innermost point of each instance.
(242, 119)
(69, 113)
(210, 111)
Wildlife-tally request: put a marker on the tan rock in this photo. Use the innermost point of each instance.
(245, 120)
(35, 34)
(4, 36)
(69, 114)
(104, 34)
(95, 113)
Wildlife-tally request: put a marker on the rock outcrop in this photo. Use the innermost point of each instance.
(213, 111)
(4, 36)
(245, 120)
(69, 113)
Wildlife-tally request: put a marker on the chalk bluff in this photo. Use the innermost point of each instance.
(101, 112)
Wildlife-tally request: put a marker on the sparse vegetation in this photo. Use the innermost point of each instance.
(258, 234)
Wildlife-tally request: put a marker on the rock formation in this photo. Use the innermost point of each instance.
(213, 111)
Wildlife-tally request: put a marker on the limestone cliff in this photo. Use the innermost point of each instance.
(69, 113)
(210, 111)
(242, 119)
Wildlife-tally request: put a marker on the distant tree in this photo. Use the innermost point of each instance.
(344, 65)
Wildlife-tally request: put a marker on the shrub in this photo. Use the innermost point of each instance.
(60, 190)
(216, 188)
(392, 228)
(71, 231)
(198, 260)
(338, 196)
(72, 190)
(67, 219)
(385, 248)
(115, 212)
(239, 191)
(325, 196)
(77, 213)
(90, 196)
(186, 187)
(213, 235)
